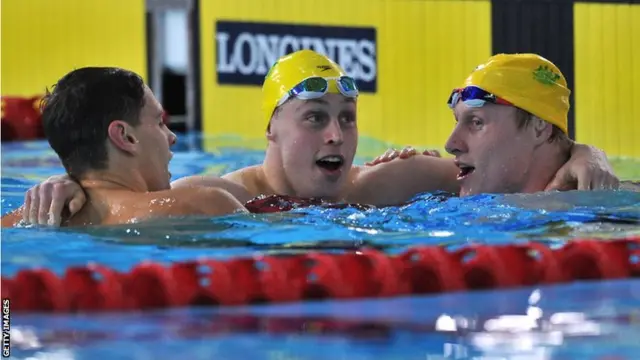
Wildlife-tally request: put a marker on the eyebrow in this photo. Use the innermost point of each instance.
(324, 102)
(317, 101)
(472, 111)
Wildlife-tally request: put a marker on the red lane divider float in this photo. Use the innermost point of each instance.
(316, 275)
(21, 118)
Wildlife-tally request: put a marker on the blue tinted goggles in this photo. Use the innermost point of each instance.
(474, 96)
(316, 87)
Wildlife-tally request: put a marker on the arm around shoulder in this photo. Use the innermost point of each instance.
(397, 181)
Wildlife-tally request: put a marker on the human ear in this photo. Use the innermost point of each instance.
(122, 136)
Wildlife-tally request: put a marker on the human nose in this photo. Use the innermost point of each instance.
(333, 133)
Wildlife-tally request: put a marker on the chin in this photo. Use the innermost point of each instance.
(464, 193)
(328, 192)
(470, 191)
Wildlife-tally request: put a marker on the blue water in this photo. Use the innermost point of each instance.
(583, 320)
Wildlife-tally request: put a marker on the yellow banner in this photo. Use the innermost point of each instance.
(42, 40)
(406, 55)
(607, 74)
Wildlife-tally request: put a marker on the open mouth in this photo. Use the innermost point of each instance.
(465, 170)
(331, 162)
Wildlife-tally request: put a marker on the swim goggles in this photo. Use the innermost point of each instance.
(474, 96)
(316, 86)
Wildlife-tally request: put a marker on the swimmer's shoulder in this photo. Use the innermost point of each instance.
(115, 207)
(206, 201)
(228, 183)
(103, 207)
(245, 175)
(183, 201)
(251, 177)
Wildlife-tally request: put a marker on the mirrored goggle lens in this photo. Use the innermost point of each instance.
(348, 84)
(314, 85)
(318, 85)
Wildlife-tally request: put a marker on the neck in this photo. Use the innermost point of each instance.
(122, 178)
(546, 162)
(274, 175)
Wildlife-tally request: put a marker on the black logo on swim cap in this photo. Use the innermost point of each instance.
(324, 67)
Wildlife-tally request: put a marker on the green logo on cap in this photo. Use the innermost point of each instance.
(545, 75)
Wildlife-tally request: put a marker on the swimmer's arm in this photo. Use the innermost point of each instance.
(397, 181)
(238, 190)
(13, 218)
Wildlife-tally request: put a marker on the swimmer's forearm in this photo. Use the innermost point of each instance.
(442, 174)
(399, 180)
(423, 173)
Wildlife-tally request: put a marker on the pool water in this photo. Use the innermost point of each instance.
(582, 320)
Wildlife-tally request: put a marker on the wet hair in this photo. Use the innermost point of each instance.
(77, 113)
(523, 120)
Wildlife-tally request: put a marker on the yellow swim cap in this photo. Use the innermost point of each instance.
(529, 82)
(290, 70)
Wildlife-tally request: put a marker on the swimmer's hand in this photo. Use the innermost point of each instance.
(405, 153)
(45, 202)
(587, 169)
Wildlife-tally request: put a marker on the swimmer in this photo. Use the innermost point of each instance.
(511, 128)
(310, 112)
(106, 127)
